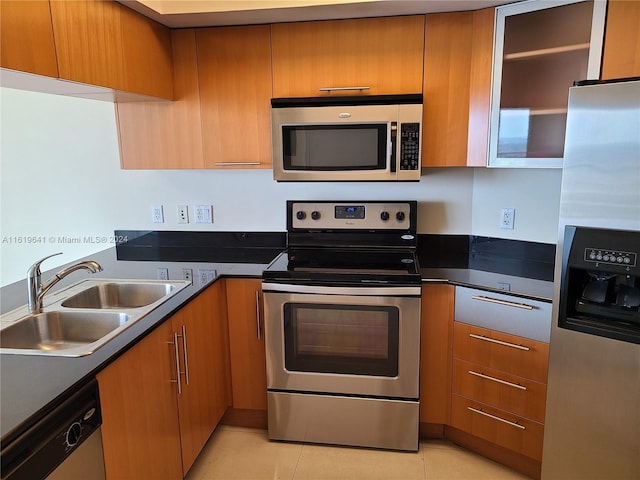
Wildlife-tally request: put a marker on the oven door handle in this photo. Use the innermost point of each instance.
(395, 291)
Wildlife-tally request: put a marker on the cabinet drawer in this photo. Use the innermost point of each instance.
(511, 393)
(508, 353)
(504, 313)
(502, 428)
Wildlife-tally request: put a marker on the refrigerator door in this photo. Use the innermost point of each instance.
(592, 423)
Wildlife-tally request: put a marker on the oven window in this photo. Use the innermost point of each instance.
(346, 339)
(335, 147)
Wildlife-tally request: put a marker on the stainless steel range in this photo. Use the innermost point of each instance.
(342, 326)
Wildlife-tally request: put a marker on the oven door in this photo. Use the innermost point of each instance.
(360, 341)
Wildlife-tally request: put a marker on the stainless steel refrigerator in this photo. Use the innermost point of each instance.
(592, 424)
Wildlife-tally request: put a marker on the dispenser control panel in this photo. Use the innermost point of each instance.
(611, 257)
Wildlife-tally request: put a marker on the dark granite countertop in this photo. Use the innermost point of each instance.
(490, 281)
(33, 385)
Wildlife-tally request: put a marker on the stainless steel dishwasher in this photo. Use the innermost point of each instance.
(66, 444)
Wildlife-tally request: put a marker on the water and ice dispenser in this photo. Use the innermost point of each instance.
(600, 283)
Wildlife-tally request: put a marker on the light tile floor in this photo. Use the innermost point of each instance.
(235, 453)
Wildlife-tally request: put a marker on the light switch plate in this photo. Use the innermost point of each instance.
(203, 213)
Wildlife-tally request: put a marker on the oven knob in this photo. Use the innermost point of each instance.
(315, 215)
(384, 216)
(400, 216)
(620, 260)
(300, 215)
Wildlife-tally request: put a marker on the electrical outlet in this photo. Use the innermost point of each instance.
(206, 275)
(162, 273)
(507, 217)
(203, 213)
(157, 216)
(183, 213)
(187, 274)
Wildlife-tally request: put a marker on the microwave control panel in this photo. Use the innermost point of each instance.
(409, 146)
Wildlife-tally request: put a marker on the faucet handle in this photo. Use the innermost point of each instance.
(35, 268)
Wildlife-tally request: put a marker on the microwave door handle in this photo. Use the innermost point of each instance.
(394, 143)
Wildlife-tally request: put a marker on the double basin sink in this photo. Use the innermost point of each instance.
(80, 319)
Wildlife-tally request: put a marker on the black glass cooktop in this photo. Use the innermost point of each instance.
(345, 266)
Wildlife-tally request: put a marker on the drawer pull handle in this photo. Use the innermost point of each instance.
(513, 424)
(259, 330)
(175, 345)
(341, 89)
(502, 302)
(499, 342)
(231, 164)
(494, 379)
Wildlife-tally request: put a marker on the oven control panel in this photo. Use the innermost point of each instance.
(351, 215)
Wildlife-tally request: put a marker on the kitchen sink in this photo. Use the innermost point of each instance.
(119, 295)
(60, 330)
(83, 317)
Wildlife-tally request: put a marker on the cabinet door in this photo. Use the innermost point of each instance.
(383, 54)
(27, 37)
(457, 88)
(147, 59)
(234, 68)
(621, 57)
(200, 329)
(539, 53)
(103, 43)
(140, 431)
(436, 343)
(89, 42)
(246, 344)
(166, 135)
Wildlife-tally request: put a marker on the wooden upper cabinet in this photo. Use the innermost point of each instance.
(457, 88)
(166, 135)
(100, 42)
(621, 57)
(384, 54)
(27, 37)
(88, 42)
(147, 55)
(234, 67)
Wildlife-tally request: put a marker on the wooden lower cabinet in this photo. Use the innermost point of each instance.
(501, 428)
(247, 353)
(151, 428)
(436, 341)
(201, 330)
(140, 429)
(498, 396)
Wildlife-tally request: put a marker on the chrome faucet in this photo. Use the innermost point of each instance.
(36, 289)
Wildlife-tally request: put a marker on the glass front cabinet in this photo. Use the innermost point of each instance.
(541, 48)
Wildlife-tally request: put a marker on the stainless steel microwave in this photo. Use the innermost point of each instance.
(372, 138)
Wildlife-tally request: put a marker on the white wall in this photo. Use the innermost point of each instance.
(533, 193)
(60, 177)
